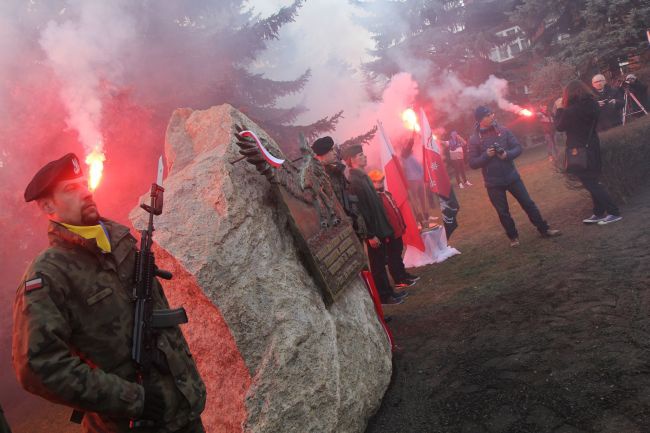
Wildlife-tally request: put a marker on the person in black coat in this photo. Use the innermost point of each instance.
(610, 101)
(493, 149)
(378, 228)
(578, 115)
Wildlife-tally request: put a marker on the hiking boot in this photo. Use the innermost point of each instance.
(551, 233)
(461, 186)
(392, 301)
(610, 219)
(594, 219)
(514, 242)
(404, 283)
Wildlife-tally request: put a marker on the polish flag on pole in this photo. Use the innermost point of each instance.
(396, 185)
(435, 173)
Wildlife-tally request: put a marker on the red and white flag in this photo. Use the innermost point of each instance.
(396, 185)
(435, 173)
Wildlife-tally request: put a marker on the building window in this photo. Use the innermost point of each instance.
(503, 52)
(515, 49)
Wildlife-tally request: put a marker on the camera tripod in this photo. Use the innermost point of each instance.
(628, 99)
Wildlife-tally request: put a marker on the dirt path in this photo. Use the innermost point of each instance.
(553, 336)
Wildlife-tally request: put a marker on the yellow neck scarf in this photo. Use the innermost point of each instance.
(92, 232)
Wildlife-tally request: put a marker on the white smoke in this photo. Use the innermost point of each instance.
(399, 94)
(84, 49)
(327, 39)
(455, 98)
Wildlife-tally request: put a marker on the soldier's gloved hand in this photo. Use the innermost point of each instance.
(154, 404)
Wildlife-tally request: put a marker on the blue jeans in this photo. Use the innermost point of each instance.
(518, 190)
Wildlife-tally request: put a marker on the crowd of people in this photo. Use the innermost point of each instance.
(91, 258)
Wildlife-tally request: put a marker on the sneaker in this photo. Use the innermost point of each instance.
(514, 242)
(594, 219)
(461, 186)
(610, 219)
(412, 277)
(404, 283)
(468, 183)
(392, 301)
(402, 294)
(551, 233)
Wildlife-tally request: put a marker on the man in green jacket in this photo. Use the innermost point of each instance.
(73, 320)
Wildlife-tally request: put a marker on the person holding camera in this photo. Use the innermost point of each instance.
(493, 149)
(610, 101)
(577, 115)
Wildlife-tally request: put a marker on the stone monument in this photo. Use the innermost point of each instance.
(276, 354)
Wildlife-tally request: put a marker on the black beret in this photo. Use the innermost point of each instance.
(351, 150)
(322, 145)
(64, 168)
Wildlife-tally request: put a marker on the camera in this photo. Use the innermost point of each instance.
(498, 149)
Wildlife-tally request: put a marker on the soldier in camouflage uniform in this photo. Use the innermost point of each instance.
(73, 320)
(327, 155)
(4, 426)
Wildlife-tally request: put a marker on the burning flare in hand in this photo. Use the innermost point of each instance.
(410, 120)
(526, 112)
(95, 161)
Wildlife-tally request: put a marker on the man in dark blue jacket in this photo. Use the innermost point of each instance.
(493, 149)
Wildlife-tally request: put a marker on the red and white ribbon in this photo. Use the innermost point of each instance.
(272, 160)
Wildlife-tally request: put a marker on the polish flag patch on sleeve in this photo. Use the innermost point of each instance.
(33, 284)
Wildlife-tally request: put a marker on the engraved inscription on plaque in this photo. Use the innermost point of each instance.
(323, 231)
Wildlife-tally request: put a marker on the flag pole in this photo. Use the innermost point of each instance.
(426, 195)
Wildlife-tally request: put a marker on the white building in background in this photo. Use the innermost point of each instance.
(510, 50)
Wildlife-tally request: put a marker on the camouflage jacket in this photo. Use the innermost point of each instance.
(349, 202)
(73, 325)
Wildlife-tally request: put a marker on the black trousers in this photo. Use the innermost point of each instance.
(377, 261)
(518, 190)
(396, 268)
(603, 203)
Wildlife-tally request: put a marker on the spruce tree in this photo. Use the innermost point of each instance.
(600, 31)
(209, 45)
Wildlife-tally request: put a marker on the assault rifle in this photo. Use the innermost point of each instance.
(144, 351)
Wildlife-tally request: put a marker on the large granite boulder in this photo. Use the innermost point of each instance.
(275, 358)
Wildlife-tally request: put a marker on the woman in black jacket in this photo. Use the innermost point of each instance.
(578, 117)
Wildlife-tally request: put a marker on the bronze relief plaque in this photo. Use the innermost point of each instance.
(322, 230)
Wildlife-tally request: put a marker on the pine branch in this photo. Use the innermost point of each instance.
(252, 38)
(279, 116)
(268, 28)
(287, 136)
(361, 139)
(254, 89)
